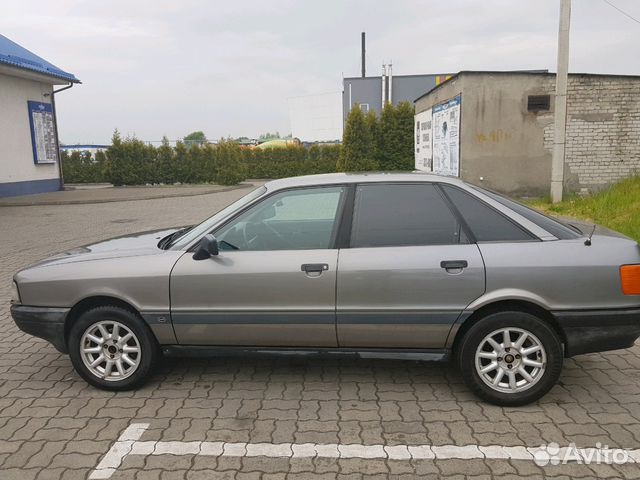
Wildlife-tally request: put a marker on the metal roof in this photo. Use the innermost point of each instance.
(16, 56)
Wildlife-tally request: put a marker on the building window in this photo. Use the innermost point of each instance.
(538, 103)
(364, 107)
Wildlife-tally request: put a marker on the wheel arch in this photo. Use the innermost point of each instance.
(94, 301)
(502, 306)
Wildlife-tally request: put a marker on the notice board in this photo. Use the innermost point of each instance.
(43, 133)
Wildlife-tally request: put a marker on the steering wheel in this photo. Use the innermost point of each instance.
(250, 237)
(285, 241)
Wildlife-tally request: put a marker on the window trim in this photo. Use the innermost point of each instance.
(334, 233)
(454, 213)
(534, 237)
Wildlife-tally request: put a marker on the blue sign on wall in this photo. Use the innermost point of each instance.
(43, 133)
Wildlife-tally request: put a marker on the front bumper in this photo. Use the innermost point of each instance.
(588, 331)
(42, 322)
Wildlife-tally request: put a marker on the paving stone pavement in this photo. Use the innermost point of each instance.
(53, 425)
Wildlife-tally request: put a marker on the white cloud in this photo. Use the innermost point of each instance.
(169, 67)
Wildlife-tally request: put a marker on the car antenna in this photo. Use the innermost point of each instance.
(587, 242)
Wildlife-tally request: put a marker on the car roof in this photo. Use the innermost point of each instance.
(361, 177)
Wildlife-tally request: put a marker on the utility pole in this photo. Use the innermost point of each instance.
(560, 115)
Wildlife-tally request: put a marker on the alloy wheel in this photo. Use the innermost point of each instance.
(110, 350)
(510, 360)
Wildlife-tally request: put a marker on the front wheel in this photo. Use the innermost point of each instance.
(510, 358)
(111, 348)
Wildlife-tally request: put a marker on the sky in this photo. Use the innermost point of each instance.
(154, 67)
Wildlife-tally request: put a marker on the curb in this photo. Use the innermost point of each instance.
(125, 199)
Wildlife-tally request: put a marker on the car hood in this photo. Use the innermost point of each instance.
(136, 244)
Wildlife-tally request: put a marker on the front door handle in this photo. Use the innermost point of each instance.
(453, 264)
(314, 267)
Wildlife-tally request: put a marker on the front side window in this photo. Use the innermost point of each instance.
(402, 215)
(486, 223)
(300, 219)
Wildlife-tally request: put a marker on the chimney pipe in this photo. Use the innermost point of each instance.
(363, 57)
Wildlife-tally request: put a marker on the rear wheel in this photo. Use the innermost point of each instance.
(510, 358)
(111, 348)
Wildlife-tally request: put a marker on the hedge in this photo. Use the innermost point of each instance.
(370, 142)
(132, 162)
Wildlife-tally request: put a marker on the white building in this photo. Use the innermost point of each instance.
(29, 159)
(91, 149)
(316, 118)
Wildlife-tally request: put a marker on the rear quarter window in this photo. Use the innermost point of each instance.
(551, 225)
(486, 223)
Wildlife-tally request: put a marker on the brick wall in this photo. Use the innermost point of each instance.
(603, 130)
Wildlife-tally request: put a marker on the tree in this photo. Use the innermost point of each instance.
(231, 167)
(195, 138)
(395, 145)
(165, 163)
(373, 126)
(269, 136)
(357, 144)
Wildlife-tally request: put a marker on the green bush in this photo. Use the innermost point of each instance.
(395, 138)
(369, 143)
(358, 143)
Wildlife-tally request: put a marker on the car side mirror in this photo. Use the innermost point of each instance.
(207, 248)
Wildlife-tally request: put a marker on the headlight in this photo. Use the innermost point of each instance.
(15, 294)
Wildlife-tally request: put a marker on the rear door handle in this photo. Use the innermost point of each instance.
(314, 267)
(453, 264)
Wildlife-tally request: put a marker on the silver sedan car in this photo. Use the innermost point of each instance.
(399, 265)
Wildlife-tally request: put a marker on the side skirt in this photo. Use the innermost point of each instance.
(431, 355)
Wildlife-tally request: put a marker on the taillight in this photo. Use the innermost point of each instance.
(630, 279)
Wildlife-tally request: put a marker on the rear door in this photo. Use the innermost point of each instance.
(409, 272)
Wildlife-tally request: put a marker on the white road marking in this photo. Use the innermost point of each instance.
(112, 460)
(129, 444)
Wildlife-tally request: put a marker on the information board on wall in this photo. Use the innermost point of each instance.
(446, 137)
(437, 138)
(43, 133)
(423, 147)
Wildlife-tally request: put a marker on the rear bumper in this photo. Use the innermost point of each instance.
(42, 322)
(588, 331)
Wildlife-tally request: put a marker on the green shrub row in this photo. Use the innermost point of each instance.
(133, 162)
(369, 143)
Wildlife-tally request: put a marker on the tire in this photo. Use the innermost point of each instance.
(100, 323)
(540, 346)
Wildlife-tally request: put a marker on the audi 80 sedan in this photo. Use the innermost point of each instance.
(392, 265)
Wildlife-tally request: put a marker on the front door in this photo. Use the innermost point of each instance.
(274, 280)
(410, 271)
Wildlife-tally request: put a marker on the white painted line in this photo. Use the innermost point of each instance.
(112, 460)
(129, 444)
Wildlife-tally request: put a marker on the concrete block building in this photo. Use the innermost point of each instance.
(502, 134)
(29, 157)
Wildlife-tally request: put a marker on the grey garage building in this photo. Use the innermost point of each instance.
(504, 135)
(369, 93)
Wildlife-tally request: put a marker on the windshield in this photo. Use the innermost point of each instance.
(552, 225)
(208, 224)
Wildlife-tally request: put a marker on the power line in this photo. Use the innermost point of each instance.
(621, 11)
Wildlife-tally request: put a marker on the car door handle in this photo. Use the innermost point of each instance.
(453, 264)
(314, 267)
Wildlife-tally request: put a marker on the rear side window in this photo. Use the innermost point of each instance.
(403, 215)
(551, 225)
(487, 224)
